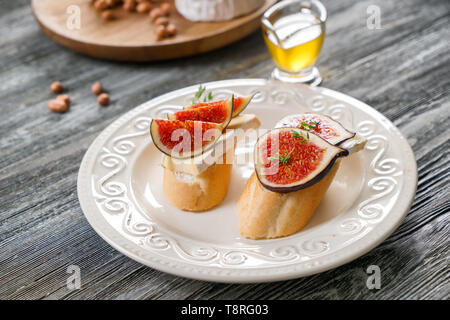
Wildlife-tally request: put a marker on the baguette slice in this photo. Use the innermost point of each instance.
(199, 192)
(201, 183)
(264, 214)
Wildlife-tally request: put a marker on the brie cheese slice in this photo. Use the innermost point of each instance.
(195, 166)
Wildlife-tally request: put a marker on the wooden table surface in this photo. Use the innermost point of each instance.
(402, 70)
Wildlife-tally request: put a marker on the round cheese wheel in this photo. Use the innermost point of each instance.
(216, 10)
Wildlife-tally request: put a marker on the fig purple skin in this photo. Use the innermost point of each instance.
(241, 103)
(296, 119)
(332, 154)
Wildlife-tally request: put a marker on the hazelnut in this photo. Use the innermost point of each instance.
(56, 87)
(165, 9)
(143, 7)
(97, 88)
(111, 3)
(171, 29)
(129, 5)
(65, 98)
(160, 32)
(108, 15)
(57, 105)
(162, 21)
(155, 14)
(100, 5)
(103, 99)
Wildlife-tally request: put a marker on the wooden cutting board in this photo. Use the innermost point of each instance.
(131, 37)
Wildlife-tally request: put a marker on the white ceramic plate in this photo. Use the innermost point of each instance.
(120, 191)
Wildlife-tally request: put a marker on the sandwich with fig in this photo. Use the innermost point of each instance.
(295, 163)
(197, 145)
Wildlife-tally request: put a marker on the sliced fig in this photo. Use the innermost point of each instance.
(221, 112)
(239, 104)
(184, 139)
(319, 124)
(290, 159)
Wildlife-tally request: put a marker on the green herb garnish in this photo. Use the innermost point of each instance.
(297, 134)
(198, 94)
(309, 126)
(197, 97)
(283, 159)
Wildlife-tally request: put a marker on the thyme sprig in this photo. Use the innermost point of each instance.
(198, 95)
(209, 97)
(309, 126)
(297, 134)
(280, 158)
